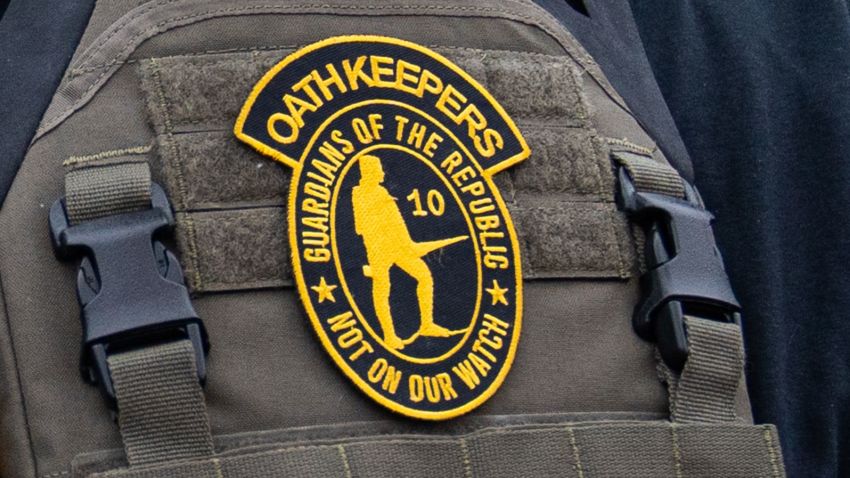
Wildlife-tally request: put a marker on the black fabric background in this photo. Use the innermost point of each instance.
(761, 96)
(37, 39)
(760, 92)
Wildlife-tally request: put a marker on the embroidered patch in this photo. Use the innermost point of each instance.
(404, 253)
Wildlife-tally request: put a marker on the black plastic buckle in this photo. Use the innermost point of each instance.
(130, 287)
(685, 273)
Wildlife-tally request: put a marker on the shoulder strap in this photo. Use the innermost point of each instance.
(689, 309)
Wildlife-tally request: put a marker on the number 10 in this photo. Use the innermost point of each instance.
(436, 203)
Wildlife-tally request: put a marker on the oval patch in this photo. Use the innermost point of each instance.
(403, 250)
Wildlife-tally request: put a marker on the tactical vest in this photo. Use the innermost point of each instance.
(383, 238)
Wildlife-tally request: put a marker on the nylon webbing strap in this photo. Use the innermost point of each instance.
(650, 175)
(706, 389)
(632, 449)
(99, 188)
(161, 410)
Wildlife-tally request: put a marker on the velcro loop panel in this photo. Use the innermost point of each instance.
(231, 201)
(635, 449)
(235, 249)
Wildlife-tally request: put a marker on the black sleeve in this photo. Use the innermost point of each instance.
(606, 29)
(37, 39)
(761, 96)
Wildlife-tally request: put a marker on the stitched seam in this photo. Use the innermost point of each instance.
(20, 386)
(73, 160)
(677, 452)
(282, 8)
(345, 465)
(576, 453)
(586, 62)
(467, 463)
(771, 452)
(621, 257)
(469, 430)
(542, 126)
(565, 122)
(216, 286)
(163, 104)
(622, 263)
(95, 48)
(89, 69)
(629, 144)
(178, 169)
(501, 50)
(56, 474)
(233, 216)
(295, 448)
(602, 165)
(217, 468)
(193, 253)
(603, 162)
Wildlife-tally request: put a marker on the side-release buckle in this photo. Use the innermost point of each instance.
(130, 287)
(685, 273)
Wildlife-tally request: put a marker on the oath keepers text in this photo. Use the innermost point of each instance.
(321, 85)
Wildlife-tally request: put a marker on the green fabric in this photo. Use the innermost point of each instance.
(650, 175)
(161, 410)
(578, 353)
(231, 201)
(707, 388)
(708, 385)
(615, 449)
(235, 249)
(102, 188)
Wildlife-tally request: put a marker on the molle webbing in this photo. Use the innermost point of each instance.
(230, 201)
(634, 449)
(708, 385)
(162, 413)
(651, 176)
(98, 186)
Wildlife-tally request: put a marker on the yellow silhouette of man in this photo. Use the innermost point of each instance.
(378, 220)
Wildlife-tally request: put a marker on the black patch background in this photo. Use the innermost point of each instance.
(399, 176)
(269, 102)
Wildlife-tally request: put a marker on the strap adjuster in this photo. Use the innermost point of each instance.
(685, 273)
(129, 286)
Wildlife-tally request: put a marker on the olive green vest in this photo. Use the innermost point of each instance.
(145, 114)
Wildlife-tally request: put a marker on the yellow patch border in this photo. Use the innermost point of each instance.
(487, 175)
(295, 164)
(349, 372)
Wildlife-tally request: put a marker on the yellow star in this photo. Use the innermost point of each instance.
(498, 293)
(324, 290)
